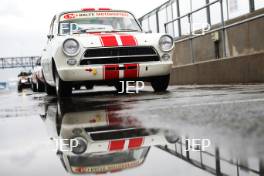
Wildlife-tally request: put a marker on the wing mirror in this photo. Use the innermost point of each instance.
(50, 36)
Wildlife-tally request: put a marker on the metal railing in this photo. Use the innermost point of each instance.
(16, 62)
(219, 165)
(189, 15)
(219, 27)
(179, 13)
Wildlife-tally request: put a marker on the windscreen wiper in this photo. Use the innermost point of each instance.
(89, 29)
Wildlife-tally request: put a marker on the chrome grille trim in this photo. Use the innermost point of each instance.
(110, 55)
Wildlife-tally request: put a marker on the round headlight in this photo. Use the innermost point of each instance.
(166, 43)
(79, 145)
(71, 47)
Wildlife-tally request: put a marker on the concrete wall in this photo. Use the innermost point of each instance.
(241, 39)
(240, 69)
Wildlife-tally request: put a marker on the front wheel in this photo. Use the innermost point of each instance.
(19, 88)
(63, 89)
(89, 86)
(34, 87)
(77, 87)
(161, 83)
(49, 89)
(40, 86)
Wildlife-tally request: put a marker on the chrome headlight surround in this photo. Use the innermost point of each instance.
(71, 47)
(81, 147)
(166, 43)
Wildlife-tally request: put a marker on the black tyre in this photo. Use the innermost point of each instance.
(77, 87)
(63, 89)
(49, 89)
(89, 86)
(19, 88)
(161, 83)
(34, 87)
(40, 86)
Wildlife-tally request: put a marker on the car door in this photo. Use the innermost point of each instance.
(46, 60)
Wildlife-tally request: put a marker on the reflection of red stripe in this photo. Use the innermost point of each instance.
(111, 72)
(131, 70)
(116, 145)
(128, 40)
(135, 143)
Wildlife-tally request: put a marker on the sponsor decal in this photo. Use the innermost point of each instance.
(111, 14)
(89, 13)
(89, 69)
(106, 168)
(94, 71)
(69, 16)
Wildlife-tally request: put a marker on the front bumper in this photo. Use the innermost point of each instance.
(114, 71)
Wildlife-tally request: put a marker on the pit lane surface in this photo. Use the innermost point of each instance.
(231, 117)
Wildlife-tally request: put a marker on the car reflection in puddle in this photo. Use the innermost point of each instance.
(93, 138)
(98, 140)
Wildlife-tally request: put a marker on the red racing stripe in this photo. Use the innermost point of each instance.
(111, 72)
(135, 143)
(116, 145)
(128, 40)
(131, 70)
(109, 40)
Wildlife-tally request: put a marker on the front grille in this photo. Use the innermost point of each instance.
(119, 134)
(119, 55)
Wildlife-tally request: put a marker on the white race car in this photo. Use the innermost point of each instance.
(103, 46)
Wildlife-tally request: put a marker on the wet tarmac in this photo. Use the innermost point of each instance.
(189, 130)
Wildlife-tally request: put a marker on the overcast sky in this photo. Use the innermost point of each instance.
(24, 24)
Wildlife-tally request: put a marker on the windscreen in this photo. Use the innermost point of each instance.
(95, 21)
